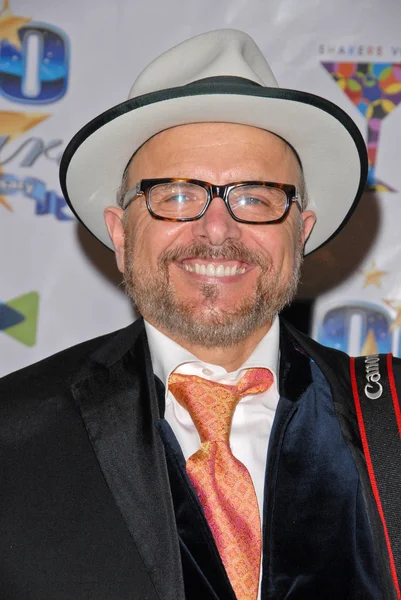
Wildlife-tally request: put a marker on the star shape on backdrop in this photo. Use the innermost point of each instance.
(396, 306)
(373, 275)
(10, 25)
(3, 202)
(370, 344)
(13, 124)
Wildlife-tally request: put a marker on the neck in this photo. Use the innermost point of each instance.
(230, 358)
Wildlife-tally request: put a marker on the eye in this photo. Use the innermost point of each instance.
(177, 198)
(250, 201)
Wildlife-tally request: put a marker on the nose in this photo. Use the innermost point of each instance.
(217, 225)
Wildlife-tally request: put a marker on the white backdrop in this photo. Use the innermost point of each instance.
(62, 63)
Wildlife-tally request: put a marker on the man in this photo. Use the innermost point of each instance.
(112, 484)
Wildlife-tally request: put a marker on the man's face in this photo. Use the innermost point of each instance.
(159, 258)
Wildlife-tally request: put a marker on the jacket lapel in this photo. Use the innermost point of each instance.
(118, 403)
(294, 379)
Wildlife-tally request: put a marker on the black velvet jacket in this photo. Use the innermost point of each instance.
(95, 502)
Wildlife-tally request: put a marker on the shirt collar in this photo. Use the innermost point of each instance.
(167, 355)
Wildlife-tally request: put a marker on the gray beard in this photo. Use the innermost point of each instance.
(211, 327)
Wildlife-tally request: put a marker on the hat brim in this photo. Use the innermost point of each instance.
(329, 144)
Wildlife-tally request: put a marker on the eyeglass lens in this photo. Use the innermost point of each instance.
(247, 202)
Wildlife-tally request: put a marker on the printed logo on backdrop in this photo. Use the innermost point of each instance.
(34, 68)
(373, 86)
(19, 317)
(370, 77)
(359, 327)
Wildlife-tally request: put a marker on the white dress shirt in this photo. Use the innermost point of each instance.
(254, 414)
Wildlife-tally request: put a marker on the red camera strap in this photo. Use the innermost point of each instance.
(379, 418)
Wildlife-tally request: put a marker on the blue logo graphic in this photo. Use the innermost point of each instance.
(46, 202)
(9, 317)
(37, 72)
(19, 318)
(359, 328)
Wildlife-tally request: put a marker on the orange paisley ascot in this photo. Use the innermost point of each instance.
(222, 482)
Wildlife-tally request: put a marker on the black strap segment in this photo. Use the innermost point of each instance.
(379, 418)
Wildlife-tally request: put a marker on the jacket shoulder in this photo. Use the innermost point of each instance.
(327, 359)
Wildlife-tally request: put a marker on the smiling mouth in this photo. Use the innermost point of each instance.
(219, 269)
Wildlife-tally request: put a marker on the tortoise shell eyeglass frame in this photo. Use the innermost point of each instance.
(143, 186)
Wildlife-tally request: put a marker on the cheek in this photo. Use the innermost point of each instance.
(280, 244)
(151, 237)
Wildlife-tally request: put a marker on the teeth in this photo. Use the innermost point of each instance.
(211, 271)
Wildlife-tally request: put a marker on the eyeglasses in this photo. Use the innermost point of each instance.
(252, 202)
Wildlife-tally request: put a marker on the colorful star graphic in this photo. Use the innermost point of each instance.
(370, 344)
(3, 202)
(13, 124)
(10, 24)
(373, 276)
(396, 306)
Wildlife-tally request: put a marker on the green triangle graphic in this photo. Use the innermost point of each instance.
(28, 305)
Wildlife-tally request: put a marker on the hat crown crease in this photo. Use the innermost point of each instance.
(219, 53)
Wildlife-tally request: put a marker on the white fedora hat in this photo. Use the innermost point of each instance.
(220, 76)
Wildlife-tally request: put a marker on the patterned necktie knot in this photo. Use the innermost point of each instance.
(212, 404)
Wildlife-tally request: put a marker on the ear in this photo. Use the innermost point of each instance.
(113, 217)
(309, 220)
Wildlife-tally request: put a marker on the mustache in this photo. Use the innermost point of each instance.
(236, 251)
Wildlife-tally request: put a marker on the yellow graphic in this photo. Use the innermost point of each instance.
(14, 124)
(10, 24)
(373, 276)
(396, 306)
(370, 344)
(3, 202)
